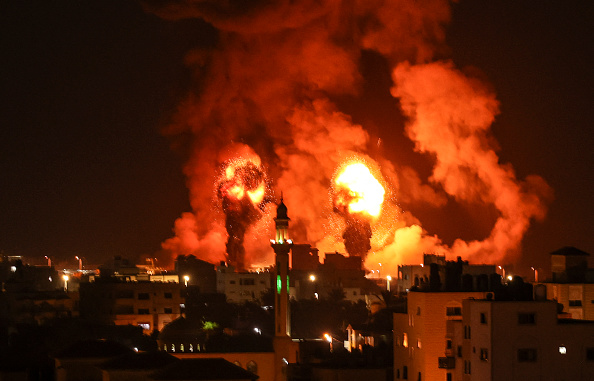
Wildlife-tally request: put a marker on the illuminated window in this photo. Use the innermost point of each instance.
(237, 363)
(165, 347)
(527, 355)
(145, 326)
(191, 348)
(419, 343)
(405, 340)
(172, 347)
(181, 347)
(563, 350)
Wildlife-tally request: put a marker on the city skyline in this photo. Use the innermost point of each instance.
(87, 171)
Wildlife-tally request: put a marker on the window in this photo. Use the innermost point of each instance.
(145, 326)
(168, 310)
(405, 340)
(419, 342)
(143, 311)
(247, 282)
(181, 347)
(231, 282)
(483, 318)
(454, 311)
(172, 347)
(418, 310)
(168, 295)
(590, 354)
(397, 373)
(459, 351)
(467, 369)
(448, 344)
(419, 377)
(191, 348)
(527, 355)
(143, 296)
(467, 332)
(575, 303)
(448, 377)
(563, 349)
(484, 354)
(405, 372)
(252, 367)
(237, 363)
(527, 318)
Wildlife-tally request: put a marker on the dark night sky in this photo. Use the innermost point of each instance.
(87, 86)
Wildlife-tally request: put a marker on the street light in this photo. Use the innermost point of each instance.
(49, 261)
(79, 259)
(535, 274)
(186, 279)
(65, 277)
(312, 278)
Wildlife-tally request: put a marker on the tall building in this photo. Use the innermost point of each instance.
(517, 340)
(419, 333)
(285, 350)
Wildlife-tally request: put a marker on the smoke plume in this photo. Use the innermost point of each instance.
(284, 80)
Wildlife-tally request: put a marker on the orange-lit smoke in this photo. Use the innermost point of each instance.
(358, 198)
(278, 81)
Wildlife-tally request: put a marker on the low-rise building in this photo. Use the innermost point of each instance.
(150, 305)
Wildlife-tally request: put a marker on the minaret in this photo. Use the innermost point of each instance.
(285, 350)
(282, 245)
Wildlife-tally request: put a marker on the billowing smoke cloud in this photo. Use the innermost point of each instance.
(277, 82)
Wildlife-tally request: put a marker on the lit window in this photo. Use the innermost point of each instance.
(405, 340)
(252, 367)
(145, 326)
(191, 348)
(172, 347)
(181, 347)
(419, 343)
(563, 349)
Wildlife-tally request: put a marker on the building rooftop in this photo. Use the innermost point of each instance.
(95, 348)
(142, 360)
(203, 369)
(569, 250)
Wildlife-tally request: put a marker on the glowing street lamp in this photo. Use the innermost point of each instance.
(312, 278)
(535, 274)
(49, 261)
(328, 338)
(79, 259)
(186, 279)
(65, 277)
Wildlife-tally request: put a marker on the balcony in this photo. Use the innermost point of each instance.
(446, 363)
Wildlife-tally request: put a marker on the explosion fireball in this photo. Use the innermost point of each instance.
(291, 82)
(358, 198)
(242, 191)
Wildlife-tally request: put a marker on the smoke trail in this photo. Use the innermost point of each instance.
(273, 82)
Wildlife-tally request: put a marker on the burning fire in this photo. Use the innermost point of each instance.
(243, 177)
(359, 191)
(269, 82)
(242, 191)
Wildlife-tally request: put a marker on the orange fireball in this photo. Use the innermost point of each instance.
(359, 191)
